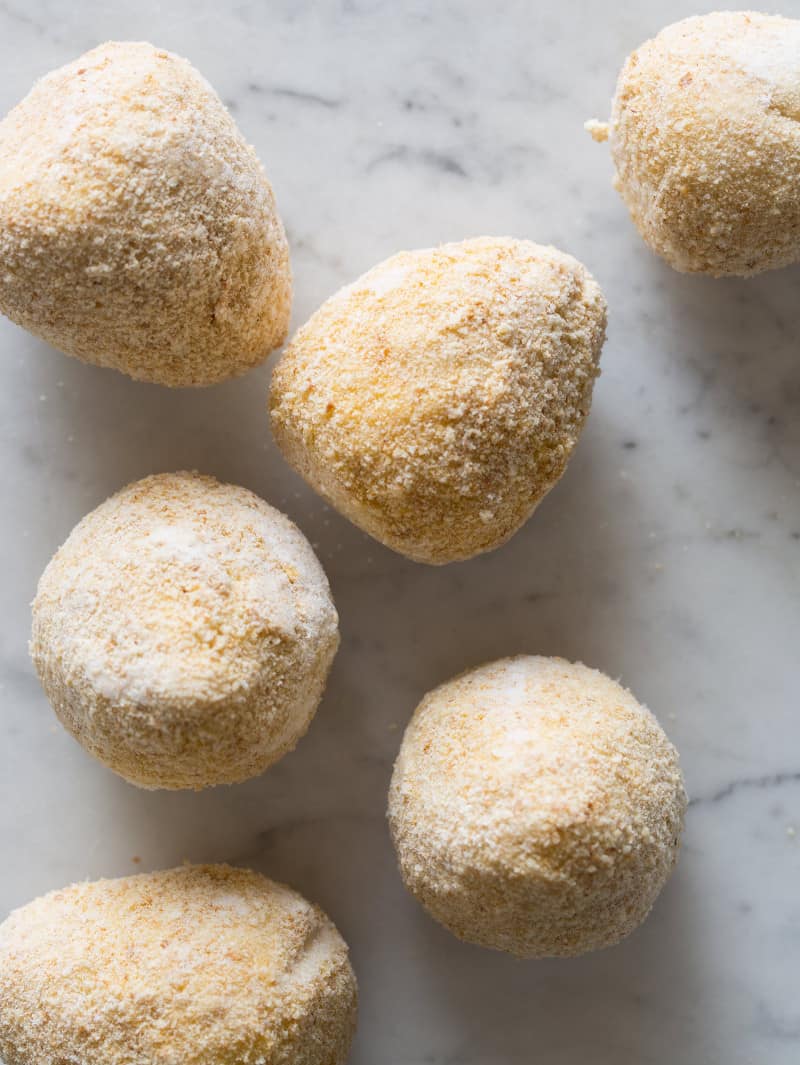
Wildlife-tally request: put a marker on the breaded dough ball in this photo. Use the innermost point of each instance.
(437, 399)
(202, 965)
(536, 807)
(184, 632)
(137, 228)
(705, 135)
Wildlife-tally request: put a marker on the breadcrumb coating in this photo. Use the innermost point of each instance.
(184, 632)
(705, 137)
(536, 807)
(201, 965)
(436, 399)
(137, 228)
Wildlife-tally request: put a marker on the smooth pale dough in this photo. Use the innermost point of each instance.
(438, 398)
(201, 965)
(137, 227)
(705, 136)
(184, 632)
(536, 807)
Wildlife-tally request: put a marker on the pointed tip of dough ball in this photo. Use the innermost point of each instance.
(536, 807)
(437, 399)
(184, 632)
(705, 137)
(203, 965)
(137, 227)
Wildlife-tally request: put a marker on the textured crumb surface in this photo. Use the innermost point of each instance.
(705, 136)
(184, 632)
(597, 130)
(137, 228)
(201, 965)
(536, 807)
(436, 399)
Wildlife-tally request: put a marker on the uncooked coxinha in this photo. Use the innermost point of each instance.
(184, 632)
(202, 965)
(536, 807)
(137, 227)
(705, 137)
(438, 398)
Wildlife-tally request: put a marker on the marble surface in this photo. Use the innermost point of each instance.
(667, 556)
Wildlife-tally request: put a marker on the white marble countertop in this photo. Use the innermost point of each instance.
(668, 555)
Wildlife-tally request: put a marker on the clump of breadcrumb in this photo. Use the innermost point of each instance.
(536, 807)
(597, 130)
(184, 632)
(705, 137)
(137, 227)
(201, 965)
(437, 399)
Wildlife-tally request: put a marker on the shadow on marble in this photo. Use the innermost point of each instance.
(102, 429)
(426, 998)
(551, 589)
(738, 341)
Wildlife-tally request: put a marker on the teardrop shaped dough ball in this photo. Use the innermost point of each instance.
(705, 136)
(437, 399)
(137, 228)
(536, 807)
(184, 632)
(202, 965)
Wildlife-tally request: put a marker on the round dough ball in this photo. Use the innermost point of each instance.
(705, 136)
(202, 965)
(536, 807)
(137, 228)
(437, 399)
(184, 632)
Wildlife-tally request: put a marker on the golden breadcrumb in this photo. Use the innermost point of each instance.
(137, 228)
(536, 807)
(705, 137)
(184, 632)
(437, 399)
(202, 965)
